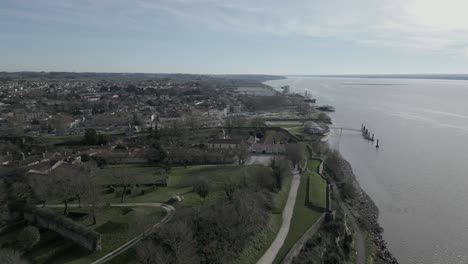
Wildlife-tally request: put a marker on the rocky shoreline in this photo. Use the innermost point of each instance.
(368, 215)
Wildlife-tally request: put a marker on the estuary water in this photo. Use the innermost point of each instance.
(419, 176)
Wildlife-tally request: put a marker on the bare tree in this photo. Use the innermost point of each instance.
(294, 153)
(149, 251)
(60, 123)
(4, 211)
(42, 187)
(64, 189)
(122, 179)
(141, 224)
(280, 171)
(92, 192)
(79, 182)
(180, 238)
(242, 153)
(304, 108)
(193, 122)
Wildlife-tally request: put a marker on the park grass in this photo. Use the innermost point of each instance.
(304, 216)
(141, 174)
(298, 130)
(215, 176)
(53, 140)
(317, 185)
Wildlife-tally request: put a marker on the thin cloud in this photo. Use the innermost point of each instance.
(411, 25)
(408, 25)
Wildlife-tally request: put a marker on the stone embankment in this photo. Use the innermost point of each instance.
(368, 218)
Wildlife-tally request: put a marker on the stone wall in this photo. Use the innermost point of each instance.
(88, 239)
(296, 249)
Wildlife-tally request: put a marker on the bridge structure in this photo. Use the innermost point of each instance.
(346, 129)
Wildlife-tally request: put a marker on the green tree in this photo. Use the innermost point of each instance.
(90, 137)
(29, 237)
(201, 188)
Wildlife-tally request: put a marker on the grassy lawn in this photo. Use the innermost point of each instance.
(317, 186)
(303, 217)
(181, 180)
(52, 140)
(216, 176)
(299, 130)
(140, 173)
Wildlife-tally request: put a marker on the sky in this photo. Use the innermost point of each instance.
(235, 36)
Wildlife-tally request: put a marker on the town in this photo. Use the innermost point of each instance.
(165, 168)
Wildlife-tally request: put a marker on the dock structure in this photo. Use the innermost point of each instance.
(366, 134)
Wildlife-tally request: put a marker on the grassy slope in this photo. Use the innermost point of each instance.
(216, 176)
(304, 215)
(317, 186)
(140, 174)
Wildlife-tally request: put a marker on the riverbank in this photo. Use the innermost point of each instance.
(367, 214)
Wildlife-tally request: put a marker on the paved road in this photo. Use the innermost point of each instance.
(288, 210)
(170, 213)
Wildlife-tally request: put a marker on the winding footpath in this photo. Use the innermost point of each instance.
(170, 211)
(288, 210)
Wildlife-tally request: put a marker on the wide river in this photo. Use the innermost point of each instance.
(419, 176)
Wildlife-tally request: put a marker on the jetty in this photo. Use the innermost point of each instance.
(367, 135)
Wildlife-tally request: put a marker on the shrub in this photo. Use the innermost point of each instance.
(85, 157)
(29, 237)
(201, 188)
(101, 161)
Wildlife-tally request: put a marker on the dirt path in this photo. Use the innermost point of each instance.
(270, 255)
(170, 213)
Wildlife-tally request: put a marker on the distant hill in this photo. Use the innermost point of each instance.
(127, 76)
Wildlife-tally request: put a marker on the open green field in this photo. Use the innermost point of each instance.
(140, 174)
(181, 181)
(112, 224)
(215, 176)
(305, 214)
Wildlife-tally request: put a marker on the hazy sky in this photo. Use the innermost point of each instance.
(235, 36)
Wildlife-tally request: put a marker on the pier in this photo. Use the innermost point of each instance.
(366, 133)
